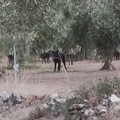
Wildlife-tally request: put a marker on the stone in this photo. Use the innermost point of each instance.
(14, 99)
(4, 96)
(36, 113)
(114, 100)
(89, 113)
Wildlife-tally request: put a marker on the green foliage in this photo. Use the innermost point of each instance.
(40, 24)
(80, 29)
(104, 88)
(67, 105)
(96, 93)
(106, 27)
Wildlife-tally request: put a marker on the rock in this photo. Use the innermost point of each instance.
(44, 106)
(61, 100)
(55, 96)
(76, 107)
(4, 96)
(101, 110)
(89, 113)
(81, 105)
(6, 108)
(114, 100)
(36, 113)
(53, 99)
(14, 99)
(86, 104)
(105, 102)
(92, 118)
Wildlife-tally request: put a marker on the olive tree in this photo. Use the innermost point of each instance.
(106, 29)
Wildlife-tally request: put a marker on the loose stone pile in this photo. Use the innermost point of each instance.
(55, 106)
(107, 109)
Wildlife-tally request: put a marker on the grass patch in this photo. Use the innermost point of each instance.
(30, 66)
(94, 95)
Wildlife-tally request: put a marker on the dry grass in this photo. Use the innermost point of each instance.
(43, 81)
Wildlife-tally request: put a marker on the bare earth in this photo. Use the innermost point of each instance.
(45, 81)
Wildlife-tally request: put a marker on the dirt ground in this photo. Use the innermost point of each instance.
(44, 81)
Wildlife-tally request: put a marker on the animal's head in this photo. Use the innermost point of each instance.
(55, 53)
(40, 55)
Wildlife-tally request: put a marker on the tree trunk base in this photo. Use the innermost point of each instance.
(108, 66)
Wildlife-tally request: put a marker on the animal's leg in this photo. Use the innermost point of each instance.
(59, 65)
(71, 61)
(12, 62)
(64, 65)
(45, 60)
(54, 66)
(42, 60)
(48, 60)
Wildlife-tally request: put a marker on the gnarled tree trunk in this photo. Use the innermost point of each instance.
(108, 62)
(108, 65)
(82, 53)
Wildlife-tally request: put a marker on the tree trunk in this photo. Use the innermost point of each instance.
(86, 53)
(108, 62)
(108, 65)
(82, 53)
(65, 51)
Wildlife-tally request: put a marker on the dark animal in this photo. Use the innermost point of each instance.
(70, 58)
(116, 55)
(45, 57)
(11, 60)
(2, 72)
(58, 58)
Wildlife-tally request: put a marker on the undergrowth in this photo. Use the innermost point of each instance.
(93, 95)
